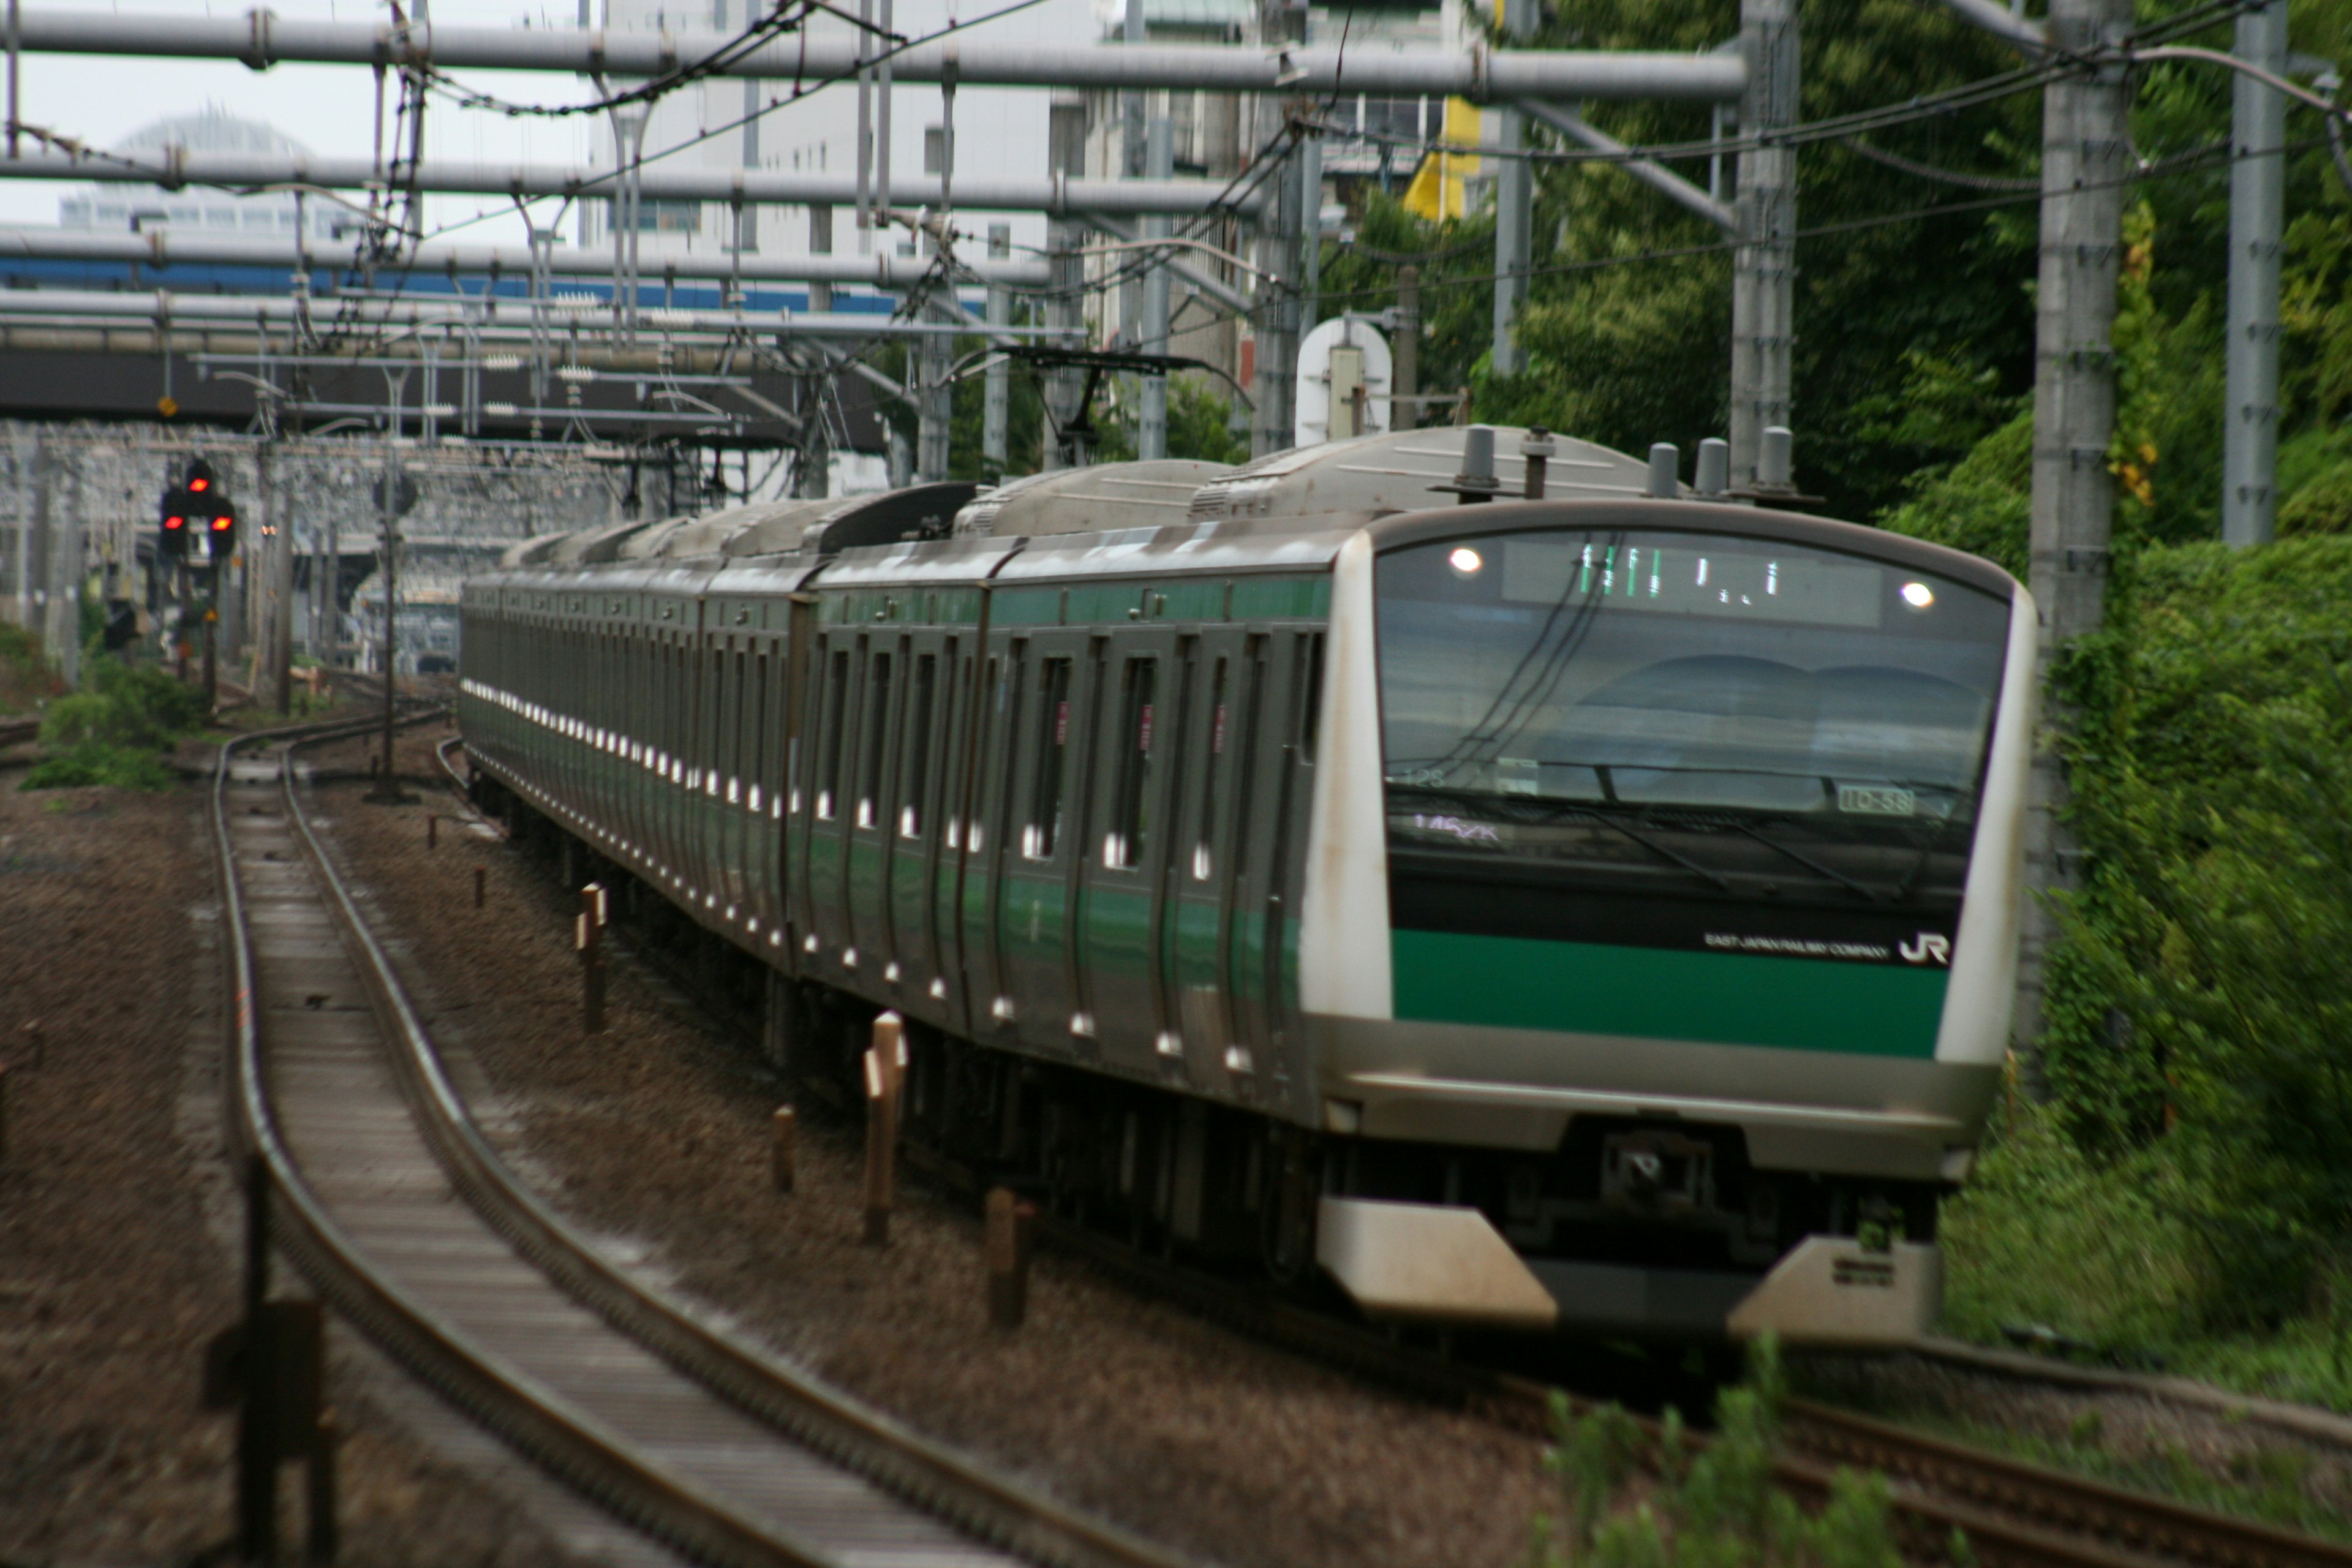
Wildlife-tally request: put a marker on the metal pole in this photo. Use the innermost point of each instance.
(996, 387)
(1403, 414)
(388, 520)
(934, 397)
(2257, 221)
(1151, 428)
(1514, 212)
(1277, 325)
(1764, 269)
(2085, 160)
(1066, 154)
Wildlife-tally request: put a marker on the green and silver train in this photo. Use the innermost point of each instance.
(1596, 911)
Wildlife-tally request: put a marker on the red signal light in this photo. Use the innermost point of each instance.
(223, 524)
(200, 483)
(176, 522)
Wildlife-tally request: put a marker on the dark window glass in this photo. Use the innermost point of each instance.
(918, 770)
(1124, 844)
(837, 720)
(1044, 829)
(877, 735)
(1219, 781)
(1690, 706)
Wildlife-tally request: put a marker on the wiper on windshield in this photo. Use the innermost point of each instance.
(1484, 801)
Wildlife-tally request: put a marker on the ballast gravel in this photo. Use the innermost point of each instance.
(655, 1135)
(118, 1258)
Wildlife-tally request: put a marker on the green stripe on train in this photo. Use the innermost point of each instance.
(1726, 998)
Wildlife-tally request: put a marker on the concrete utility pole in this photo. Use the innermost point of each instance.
(1514, 185)
(2257, 222)
(2085, 160)
(996, 387)
(1065, 148)
(934, 396)
(1151, 428)
(1764, 269)
(278, 492)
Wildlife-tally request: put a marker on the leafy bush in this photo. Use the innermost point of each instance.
(133, 706)
(111, 733)
(1714, 1508)
(97, 762)
(26, 677)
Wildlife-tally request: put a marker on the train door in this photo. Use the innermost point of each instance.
(916, 819)
(833, 779)
(1125, 858)
(987, 832)
(875, 757)
(1198, 935)
(960, 677)
(801, 676)
(1285, 667)
(1039, 882)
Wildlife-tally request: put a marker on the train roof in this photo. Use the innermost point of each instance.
(1098, 499)
(918, 511)
(1406, 470)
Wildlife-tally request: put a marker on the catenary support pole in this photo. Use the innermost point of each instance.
(934, 398)
(2257, 222)
(2085, 159)
(1764, 267)
(1065, 148)
(996, 385)
(1273, 429)
(1514, 210)
(1151, 428)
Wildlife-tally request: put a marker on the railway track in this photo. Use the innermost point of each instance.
(2014, 1513)
(389, 1201)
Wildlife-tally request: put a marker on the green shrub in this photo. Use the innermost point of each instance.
(26, 677)
(126, 705)
(1714, 1509)
(97, 762)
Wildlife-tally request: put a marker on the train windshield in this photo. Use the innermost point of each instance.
(1684, 703)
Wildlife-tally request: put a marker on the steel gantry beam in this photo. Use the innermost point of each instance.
(260, 40)
(164, 248)
(176, 166)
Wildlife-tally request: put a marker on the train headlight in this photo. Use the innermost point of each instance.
(1466, 560)
(1919, 595)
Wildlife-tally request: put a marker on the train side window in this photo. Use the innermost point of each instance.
(875, 732)
(1045, 828)
(837, 720)
(761, 783)
(1124, 846)
(1311, 715)
(1204, 854)
(917, 772)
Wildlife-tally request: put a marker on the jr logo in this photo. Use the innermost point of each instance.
(1927, 947)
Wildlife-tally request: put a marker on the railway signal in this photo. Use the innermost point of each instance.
(200, 505)
(174, 515)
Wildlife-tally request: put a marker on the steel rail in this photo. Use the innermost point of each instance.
(923, 1474)
(261, 39)
(594, 1461)
(2015, 1514)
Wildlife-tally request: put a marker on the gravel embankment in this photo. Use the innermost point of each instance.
(116, 1265)
(656, 1134)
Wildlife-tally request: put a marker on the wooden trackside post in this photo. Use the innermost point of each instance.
(781, 1142)
(271, 1367)
(588, 935)
(1012, 1225)
(884, 1066)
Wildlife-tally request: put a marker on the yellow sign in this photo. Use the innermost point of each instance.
(1436, 192)
(167, 405)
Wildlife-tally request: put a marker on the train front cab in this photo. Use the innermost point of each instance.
(1659, 925)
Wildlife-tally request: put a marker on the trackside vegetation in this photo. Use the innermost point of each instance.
(117, 729)
(1711, 1507)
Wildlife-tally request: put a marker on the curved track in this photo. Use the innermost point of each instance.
(391, 1202)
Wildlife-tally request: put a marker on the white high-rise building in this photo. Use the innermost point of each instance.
(145, 208)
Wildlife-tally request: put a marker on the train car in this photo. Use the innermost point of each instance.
(1595, 909)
